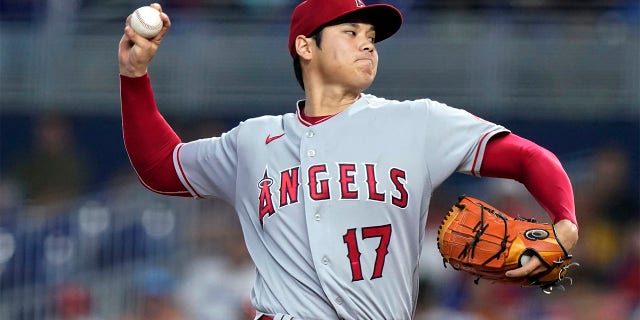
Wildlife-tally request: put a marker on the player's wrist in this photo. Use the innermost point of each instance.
(567, 233)
(133, 73)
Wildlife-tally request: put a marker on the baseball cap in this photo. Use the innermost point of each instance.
(310, 15)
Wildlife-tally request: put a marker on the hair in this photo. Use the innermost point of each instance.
(297, 68)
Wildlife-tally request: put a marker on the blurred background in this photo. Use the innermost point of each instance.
(80, 238)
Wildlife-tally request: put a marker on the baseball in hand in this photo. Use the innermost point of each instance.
(146, 22)
(524, 258)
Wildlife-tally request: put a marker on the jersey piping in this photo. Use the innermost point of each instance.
(182, 176)
(482, 144)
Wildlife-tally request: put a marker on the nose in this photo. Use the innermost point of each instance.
(367, 45)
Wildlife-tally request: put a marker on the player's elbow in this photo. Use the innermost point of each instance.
(540, 158)
(167, 188)
(162, 179)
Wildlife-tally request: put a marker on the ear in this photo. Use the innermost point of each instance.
(303, 47)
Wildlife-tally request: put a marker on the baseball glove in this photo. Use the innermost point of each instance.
(483, 241)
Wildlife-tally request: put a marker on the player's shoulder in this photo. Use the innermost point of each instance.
(262, 125)
(417, 104)
(265, 120)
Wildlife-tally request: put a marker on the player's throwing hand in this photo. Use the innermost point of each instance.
(135, 52)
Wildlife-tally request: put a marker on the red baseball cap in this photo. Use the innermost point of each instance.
(310, 15)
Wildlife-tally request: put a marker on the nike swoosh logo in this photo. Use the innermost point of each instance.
(270, 138)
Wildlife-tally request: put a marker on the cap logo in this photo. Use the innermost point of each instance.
(359, 3)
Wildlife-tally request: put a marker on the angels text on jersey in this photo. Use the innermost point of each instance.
(285, 187)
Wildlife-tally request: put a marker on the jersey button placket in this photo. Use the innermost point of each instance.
(311, 153)
(308, 158)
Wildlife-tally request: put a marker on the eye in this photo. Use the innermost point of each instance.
(352, 33)
(371, 36)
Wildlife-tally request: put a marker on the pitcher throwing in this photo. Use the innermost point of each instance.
(333, 196)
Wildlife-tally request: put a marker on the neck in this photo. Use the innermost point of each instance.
(325, 104)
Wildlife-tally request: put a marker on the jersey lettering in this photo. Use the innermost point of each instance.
(320, 185)
(372, 182)
(396, 176)
(266, 204)
(323, 192)
(347, 179)
(384, 233)
(289, 186)
(353, 253)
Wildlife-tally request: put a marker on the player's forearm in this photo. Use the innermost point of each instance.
(538, 169)
(549, 184)
(148, 138)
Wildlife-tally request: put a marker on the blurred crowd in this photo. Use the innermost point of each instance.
(73, 250)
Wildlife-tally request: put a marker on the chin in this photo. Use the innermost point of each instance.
(363, 87)
(360, 80)
(366, 83)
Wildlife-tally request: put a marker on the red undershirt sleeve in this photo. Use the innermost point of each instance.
(513, 157)
(148, 138)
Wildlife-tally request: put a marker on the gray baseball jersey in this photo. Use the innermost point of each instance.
(334, 213)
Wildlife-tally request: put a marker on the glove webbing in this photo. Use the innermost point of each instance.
(479, 229)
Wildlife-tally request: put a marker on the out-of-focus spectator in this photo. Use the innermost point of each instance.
(217, 282)
(53, 170)
(72, 301)
(10, 201)
(153, 293)
(608, 207)
(609, 185)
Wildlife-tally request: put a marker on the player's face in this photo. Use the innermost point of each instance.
(348, 56)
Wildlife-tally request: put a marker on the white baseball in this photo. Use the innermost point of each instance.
(146, 22)
(525, 258)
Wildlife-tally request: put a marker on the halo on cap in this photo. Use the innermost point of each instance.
(311, 15)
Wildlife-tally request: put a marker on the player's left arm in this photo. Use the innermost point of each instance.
(539, 170)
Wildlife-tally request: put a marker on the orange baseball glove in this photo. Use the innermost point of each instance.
(479, 239)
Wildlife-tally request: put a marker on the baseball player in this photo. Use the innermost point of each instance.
(333, 196)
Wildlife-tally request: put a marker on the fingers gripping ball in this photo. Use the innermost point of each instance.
(146, 22)
(478, 239)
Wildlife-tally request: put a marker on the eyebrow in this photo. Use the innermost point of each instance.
(359, 24)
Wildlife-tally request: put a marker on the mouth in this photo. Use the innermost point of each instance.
(368, 61)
